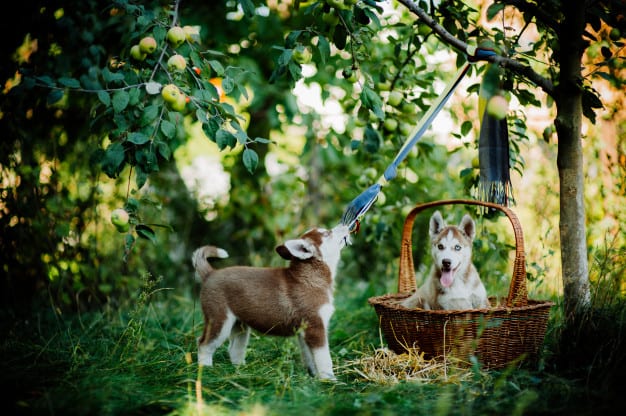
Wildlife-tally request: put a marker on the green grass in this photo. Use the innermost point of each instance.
(133, 358)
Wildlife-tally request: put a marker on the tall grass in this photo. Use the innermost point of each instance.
(139, 357)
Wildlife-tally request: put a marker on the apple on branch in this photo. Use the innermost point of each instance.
(120, 219)
(136, 53)
(176, 36)
(147, 45)
(176, 63)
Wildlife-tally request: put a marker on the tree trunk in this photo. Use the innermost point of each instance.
(568, 122)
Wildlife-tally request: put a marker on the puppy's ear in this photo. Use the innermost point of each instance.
(284, 253)
(296, 249)
(436, 224)
(468, 226)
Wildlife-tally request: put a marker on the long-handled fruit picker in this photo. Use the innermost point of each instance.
(359, 205)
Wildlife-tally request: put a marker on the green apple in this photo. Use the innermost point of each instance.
(120, 219)
(390, 124)
(615, 34)
(406, 129)
(384, 86)
(349, 74)
(340, 4)
(395, 98)
(408, 107)
(423, 29)
(330, 18)
(302, 54)
(176, 36)
(498, 107)
(136, 54)
(192, 33)
(171, 93)
(371, 173)
(179, 104)
(147, 45)
(475, 162)
(176, 63)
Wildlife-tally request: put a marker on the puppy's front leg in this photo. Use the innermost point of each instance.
(307, 355)
(316, 337)
(323, 362)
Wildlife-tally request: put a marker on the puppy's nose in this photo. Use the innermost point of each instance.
(446, 263)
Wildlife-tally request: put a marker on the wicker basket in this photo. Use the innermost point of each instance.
(498, 336)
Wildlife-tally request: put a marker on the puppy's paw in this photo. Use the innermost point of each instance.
(412, 302)
(327, 377)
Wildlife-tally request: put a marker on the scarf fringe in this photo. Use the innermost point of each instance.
(497, 192)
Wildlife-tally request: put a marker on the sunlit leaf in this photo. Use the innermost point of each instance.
(145, 232)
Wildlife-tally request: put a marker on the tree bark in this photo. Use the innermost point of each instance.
(572, 229)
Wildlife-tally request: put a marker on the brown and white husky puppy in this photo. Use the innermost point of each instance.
(283, 301)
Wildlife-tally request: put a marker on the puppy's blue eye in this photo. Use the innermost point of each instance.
(457, 247)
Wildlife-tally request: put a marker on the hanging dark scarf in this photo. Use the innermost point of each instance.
(494, 183)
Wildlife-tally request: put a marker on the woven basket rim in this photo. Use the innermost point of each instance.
(384, 301)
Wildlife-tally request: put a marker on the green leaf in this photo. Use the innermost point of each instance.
(146, 159)
(491, 82)
(340, 37)
(69, 82)
(138, 138)
(228, 85)
(285, 57)
(225, 139)
(466, 127)
(324, 47)
(141, 177)
(372, 101)
(371, 139)
(133, 96)
(109, 76)
(217, 67)
(494, 9)
(150, 113)
(250, 160)
(164, 150)
(104, 98)
(113, 160)
(120, 101)
(54, 96)
(168, 129)
(46, 80)
(248, 7)
(131, 205)
(240, 134)
(145, 232)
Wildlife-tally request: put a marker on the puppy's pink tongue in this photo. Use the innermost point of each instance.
(447, 278)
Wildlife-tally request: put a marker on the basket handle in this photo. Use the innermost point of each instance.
(518, 292)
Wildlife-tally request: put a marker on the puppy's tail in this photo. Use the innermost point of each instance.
(200, 261)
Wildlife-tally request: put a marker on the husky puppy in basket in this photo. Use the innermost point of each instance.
(453, 282)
